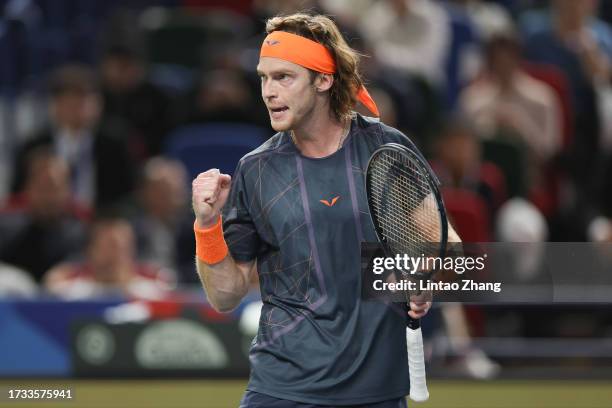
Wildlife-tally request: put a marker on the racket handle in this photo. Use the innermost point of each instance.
(416, 363)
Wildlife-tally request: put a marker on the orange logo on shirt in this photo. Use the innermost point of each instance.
(330, 204)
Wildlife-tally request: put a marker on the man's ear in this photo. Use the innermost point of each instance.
(323, 82)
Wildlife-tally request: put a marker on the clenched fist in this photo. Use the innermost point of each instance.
(209, 193)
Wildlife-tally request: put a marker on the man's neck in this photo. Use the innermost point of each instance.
(320, 138)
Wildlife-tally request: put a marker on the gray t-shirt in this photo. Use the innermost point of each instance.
(303, 219)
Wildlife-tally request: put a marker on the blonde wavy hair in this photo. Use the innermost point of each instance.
(319, 28)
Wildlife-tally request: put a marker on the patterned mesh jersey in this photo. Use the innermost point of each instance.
(303, 219)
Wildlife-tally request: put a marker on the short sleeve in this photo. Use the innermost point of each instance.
(239, 229)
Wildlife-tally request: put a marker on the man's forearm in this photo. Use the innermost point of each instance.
(224, 282)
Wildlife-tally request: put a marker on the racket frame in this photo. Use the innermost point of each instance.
(414, 337)
(431, 180)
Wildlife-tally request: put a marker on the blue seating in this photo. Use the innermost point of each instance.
(213, 145)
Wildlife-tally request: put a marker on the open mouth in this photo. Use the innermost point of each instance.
(278, 110)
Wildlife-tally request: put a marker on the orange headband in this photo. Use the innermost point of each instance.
(308, 54)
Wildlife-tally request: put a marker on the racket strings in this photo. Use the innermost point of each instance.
(402, 202)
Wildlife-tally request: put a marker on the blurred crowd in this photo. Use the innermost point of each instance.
(100, 102)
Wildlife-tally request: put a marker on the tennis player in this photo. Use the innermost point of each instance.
(296, 213)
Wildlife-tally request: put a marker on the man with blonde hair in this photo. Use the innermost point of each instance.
(296, 212)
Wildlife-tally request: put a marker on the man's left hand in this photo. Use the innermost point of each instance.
(419, 305)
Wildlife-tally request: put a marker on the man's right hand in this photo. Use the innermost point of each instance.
(209, 193)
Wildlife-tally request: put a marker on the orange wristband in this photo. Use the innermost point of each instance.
(210, 243)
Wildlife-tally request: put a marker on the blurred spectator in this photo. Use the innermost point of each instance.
(418, 103)
(584, 55)
(507, 100)
(423, 38)
(15, 282)
(130, 97)
(411, 36)
(110, 267)
(458, 163)
(222, 96)
(99, 166)
(41, 226)
(534, 21)
(490, 18)
(346, 11)
(163, 221)
(580, 46)
(413, 90)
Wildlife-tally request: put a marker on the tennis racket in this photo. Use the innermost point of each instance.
(409, 218)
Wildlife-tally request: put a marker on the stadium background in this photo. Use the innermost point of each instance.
(509, 99)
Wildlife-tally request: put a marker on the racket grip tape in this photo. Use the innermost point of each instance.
(416, 365)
